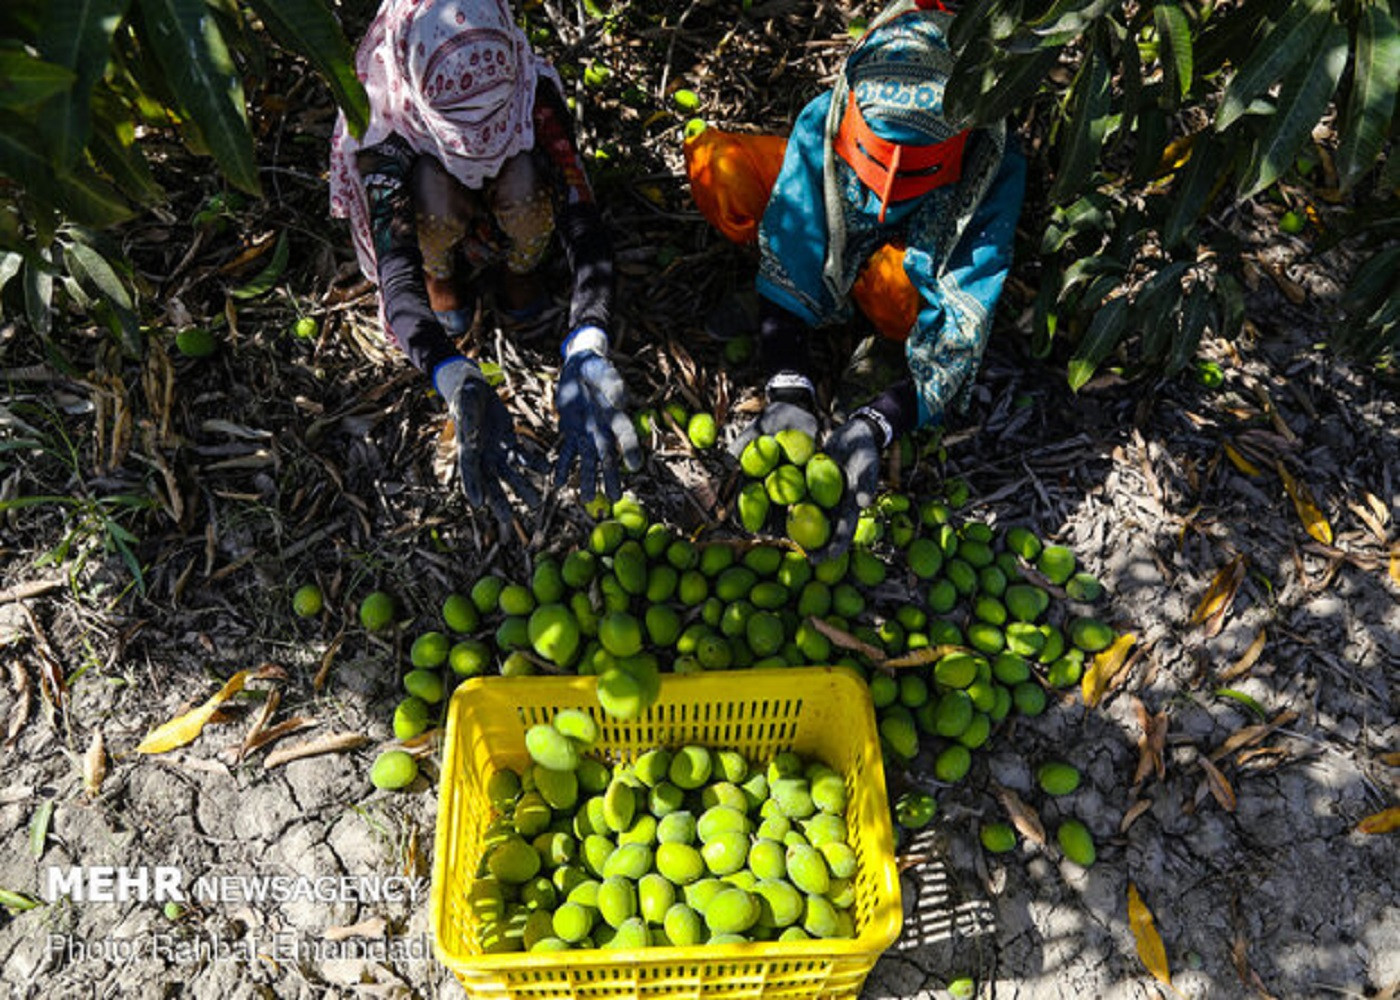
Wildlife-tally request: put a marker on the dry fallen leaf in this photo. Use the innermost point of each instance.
(921, 657)
(1385, 821)
(1244, 663)
(1215, 604)
(1395, 563)
(1151, 744)
(1314, 521)
(1218, 784)
(1134, 811)
(1104, 668)
(95, 765)
(330, 743)
(1025, 819)
(1149, 942)
(847, 641)
(1250, 735)
(186, 728)
(1238, 460)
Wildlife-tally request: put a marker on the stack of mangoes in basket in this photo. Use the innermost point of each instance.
(673, 848)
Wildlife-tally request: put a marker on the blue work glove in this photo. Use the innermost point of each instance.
(593, 422)
(791, 402)
(488, 453)
(855, 446)
(385, 168)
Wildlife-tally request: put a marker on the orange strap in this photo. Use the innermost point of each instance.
(895, 171)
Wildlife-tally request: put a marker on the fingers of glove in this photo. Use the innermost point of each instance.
(843, 529)
(748, 434)
(587, 471)
(469, 471)
(564, 464)
(604, 383)
(788, 416)
(863, 474)
(500, 505)
(626, 437)
(510, 474)
(604, 447)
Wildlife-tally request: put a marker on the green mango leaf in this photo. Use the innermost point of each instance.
(1231, 296)
(1061, 24)
(1371, 102)
(308, 28)
(76, 34)
(1106, 329)
(264, 280)
(971, 21)
(26, 81)
(1088, 116)
(1197, 312)
(123, 161)
(1247, 701)
(10, 263)
(1003, 86)
(1149, 142)
(1092, 213)
(17, 902)
(1177, 54)
(38, 294)
(1191, 194)
(93, 270)
(198, 69)
(80, 194)
(1302, 101)
(1290, 41)
(1156, 298)
(1372, 283)
(1046, 320)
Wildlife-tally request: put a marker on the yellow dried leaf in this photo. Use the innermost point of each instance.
(1395, 563)
(1023, 817)
(1215, 604)
(1149, 943)
(1314, 521)
(1251, 656)
(1238, 460)
(1385, 821)
(95, 765)
(1104, 668)
(186, 728)
(847, 641)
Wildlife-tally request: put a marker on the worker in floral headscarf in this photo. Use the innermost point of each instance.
(877, 200)
(467, 173)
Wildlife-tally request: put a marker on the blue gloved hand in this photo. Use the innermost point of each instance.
(488, 452)
(791, 405)
(593, 422)
(855, 446)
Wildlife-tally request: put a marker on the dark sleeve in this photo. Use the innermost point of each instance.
(405, 295)
(587, 245)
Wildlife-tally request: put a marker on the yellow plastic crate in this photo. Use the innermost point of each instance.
(823, 712)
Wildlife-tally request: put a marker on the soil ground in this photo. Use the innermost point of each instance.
(278, 461)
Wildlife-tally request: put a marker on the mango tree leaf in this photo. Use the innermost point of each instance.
(76, 34)
(1371, 283)
(1155, 310)
(1177, 55)
(1371, 103)
(197, 66)
(1088, 114)
(10, 263)
(123, 162)
(264, 280)
(1197, 312)
(1046, 319)
(38, 293)
(1092, 213)
(1302, 101)
(1149, 143)
(1106, 329)
(308, 28)
(970, 21)
(1191, 194)
(1012, 82)
(1290, 41)
(26, 81)
(1062, 23)
(91, 268)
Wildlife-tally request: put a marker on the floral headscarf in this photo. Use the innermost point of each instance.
(456, 79)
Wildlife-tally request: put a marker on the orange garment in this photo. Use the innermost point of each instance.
(731, 178)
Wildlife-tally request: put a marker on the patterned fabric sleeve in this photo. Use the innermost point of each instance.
(587, 245)
(945, 349)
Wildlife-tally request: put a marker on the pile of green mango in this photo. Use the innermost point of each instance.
(673, 848)
(978, 621)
